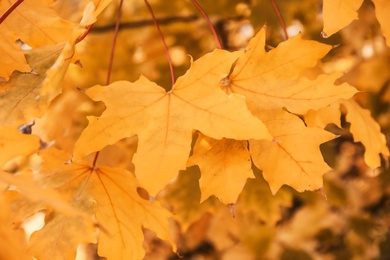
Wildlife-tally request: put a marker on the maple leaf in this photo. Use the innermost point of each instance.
(52, 85)
(13, 143)
(272, 80)
(294, 157)
(24, 184)
(324, 116)
(10, 244)
(225, 166)
(339, 13)
(20, 97)
(27, 23)
(164, 121)
(12, 57)
(111, 195)
(365, 130)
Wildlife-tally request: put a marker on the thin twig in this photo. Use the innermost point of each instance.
(111, 61)
(10, 10)
(208, 22)
(280, 17)
(163, 40)
(146, 22)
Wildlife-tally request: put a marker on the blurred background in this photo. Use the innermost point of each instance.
(348, 219)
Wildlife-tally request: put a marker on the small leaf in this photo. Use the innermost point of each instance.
(13, 143)
(294, 157)
(225, 166)
(337, 14)
(367, 131)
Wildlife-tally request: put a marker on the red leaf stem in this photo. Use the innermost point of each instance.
(205, 16)
(280, 17)
(10, 10)
(163, 40)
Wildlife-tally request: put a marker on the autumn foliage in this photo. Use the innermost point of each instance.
(272, 148)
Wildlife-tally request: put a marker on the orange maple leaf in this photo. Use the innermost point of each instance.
(272, 80)
(110, 194)
(339, 13)
(382, 10)
(225, 167)
(367, 131)
(20, 98)
(12, 57)
(294, 157)
(13, 143)
(164, 121)
(27, 23)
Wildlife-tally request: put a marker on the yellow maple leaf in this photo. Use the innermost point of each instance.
(382, 10)
(110, 194)
(337, 14)
(27, 23)
(367, 131)
(272, 80)
(294, 157)
(164, 121)
(225, 166)
(13, 143)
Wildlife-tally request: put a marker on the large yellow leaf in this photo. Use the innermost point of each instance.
(294, 157)
(272, 80)
(225, 166)
(110, 194)
(339, 13)
(13, 143)
(382, 10)
(164, 121)
(27, 23)
(367, 131)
